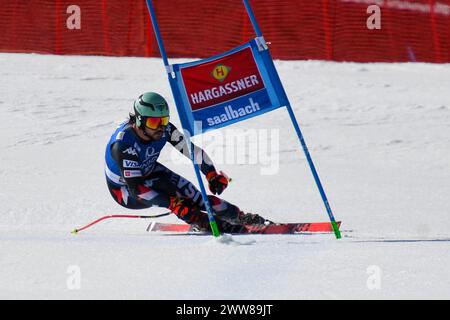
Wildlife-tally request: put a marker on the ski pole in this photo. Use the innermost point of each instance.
(75, 231)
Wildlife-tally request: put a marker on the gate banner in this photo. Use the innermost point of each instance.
(225, 89)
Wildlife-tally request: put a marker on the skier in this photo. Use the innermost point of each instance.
(136, 180)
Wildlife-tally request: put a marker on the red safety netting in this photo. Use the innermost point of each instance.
(411, 30)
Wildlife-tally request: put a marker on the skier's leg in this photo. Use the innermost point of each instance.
(232, 214)
(164, 188)
(122, 196)
(161, 194)
(184, 189)
(222, 209)
(185, 200)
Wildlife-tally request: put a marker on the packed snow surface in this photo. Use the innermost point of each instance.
(379, 135)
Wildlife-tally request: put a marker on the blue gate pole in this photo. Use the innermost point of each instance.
(300, 136)
(252, 18)
(157, 32)
(314, 172)
(212, 221)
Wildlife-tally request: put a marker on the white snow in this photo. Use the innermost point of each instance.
(379, 135)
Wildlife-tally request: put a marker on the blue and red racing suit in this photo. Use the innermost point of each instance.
(136, 180)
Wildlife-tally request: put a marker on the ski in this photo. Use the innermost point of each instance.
(278, 228)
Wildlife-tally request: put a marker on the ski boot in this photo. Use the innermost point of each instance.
(253, 219)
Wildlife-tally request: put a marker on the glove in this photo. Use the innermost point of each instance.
(180, 206)
(217, 182)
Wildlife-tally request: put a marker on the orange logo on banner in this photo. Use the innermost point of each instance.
(220, 72)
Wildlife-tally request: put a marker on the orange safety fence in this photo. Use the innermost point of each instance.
(339, 30)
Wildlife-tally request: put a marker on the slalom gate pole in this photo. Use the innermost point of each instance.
(212, 221)
(314, 172)
(300, 136)
(162, 49)
(252, 18)
(75, 231)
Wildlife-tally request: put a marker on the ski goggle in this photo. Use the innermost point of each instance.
(155, 122)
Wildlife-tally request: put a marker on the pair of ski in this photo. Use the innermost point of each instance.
(277, 228)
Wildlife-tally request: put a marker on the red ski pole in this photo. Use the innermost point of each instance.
(75, 231)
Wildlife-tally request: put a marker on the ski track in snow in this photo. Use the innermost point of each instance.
(379, 137)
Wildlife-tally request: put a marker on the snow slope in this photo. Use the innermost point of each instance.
(379, 135)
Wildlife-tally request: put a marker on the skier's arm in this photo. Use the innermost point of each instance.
(178, 140)
(217, 181)
(127, 160)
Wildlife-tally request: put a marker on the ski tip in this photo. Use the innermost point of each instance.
(74, 231)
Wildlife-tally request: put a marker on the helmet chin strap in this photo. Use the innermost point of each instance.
(141, 127)
(145, 133)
